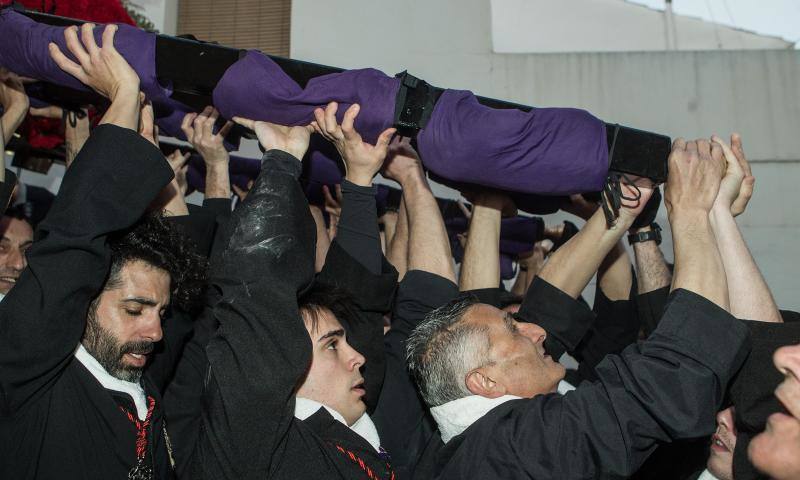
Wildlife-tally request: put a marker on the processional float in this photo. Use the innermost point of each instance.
(536, 155)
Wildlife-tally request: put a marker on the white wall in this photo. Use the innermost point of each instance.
(163, 14)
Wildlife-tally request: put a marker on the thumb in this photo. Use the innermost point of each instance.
(385, 138)
(245, 122)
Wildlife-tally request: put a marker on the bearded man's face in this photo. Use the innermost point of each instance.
(124, 322)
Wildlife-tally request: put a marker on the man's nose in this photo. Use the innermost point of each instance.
(533, 331)
(151, 330)
(16, 260)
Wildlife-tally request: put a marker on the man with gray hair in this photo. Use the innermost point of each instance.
(490, 384)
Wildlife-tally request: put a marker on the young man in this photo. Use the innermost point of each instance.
(86, 315)
(284, 388)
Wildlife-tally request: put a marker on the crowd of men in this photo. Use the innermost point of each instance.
(143, 338)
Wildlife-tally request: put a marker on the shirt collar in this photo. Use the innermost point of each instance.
(110, 382)
(456, 416)
(305, 407)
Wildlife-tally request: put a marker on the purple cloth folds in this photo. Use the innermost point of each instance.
(24, 50)
(547, 151)
(554, 151)
(256, 87)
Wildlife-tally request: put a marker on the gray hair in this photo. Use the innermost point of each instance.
(442, 350)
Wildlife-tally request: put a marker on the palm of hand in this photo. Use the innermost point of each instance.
(361, 155)
(290, 139)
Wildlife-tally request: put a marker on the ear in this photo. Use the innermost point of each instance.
(480, 383)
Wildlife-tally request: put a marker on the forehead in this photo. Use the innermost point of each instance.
(16, 230)
(140, 279)
(326, 321)
(485, 315)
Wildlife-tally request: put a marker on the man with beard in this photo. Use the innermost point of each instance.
(75, 401)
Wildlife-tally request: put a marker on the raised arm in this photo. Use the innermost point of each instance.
(695, 170)
(669, 386)
(397, 250)
(400, 416)
(199, 131)
(14, 102)
(428, 248)
(480, 267)
(749, 293)
(261, 349)
(572, 266)
(357, 231)
(118, 173)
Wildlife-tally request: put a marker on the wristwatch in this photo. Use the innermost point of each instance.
(653, 234)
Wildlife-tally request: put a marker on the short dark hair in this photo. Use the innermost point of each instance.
(163, 245)
(18, 212)
(323, 296)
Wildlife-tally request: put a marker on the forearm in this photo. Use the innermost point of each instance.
(171, 201)
(614, 276)
(750, 297)
(323, 242)
(429, 247)
(651, 268)
(572, 266)
(11, 120)
(521, 283)
(481, 265)
(357, 232)
(397, 253)
(218, 182)
(698, 265)
(124, 110)
(261, 348)
(76, 132)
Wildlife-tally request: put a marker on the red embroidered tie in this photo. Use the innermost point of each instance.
(140, 471)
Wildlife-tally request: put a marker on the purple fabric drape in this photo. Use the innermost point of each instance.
(554, 151)
(256, 87)
(24, 51)
(549, 151)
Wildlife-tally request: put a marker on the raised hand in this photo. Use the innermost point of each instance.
(179, 163)
(696, 169)
(362, 161)
(737, 185)
(104, 70)
(630, 209)
(402, 161)
(292, 140)
(199, 131)
(100, 67)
